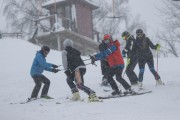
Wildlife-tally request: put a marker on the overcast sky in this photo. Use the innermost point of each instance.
(145, 8)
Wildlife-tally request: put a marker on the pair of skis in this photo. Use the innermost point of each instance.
(123, 95)
(69, 100)
(100, 97)
(24, 102)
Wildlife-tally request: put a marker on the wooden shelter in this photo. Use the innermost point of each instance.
(68, 19)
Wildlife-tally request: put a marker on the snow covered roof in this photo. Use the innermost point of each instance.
(51, 2)
(61, 2)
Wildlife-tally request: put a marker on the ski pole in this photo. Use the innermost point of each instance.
(124, 70)
(127, 63)
(87, 59)
(61, 69)
(157, 67)
(91, 63)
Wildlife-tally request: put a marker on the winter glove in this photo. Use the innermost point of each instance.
(68, 73)
(54, 66)
(93, 59)
(55, 70)
(158, 47)
(128, 61)
(124, 53)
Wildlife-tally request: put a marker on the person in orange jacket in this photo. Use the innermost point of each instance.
(115, 60)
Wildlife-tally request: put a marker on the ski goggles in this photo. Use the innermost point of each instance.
(139, 35)
(107, 41)
(124, 37)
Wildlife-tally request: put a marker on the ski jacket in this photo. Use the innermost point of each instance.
(71, 59)
(112, 54)
(131, 48)
(144, 45)
(39, 64)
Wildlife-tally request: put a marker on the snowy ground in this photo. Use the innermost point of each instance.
(16, 86)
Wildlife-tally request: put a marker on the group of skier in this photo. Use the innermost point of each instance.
(74, 69)
(137, 51)
(112, 64)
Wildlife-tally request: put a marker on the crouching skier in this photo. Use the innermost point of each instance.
(116, 63)
(75, 69)
(38, 66)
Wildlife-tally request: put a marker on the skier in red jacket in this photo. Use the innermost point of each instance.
(115, 60)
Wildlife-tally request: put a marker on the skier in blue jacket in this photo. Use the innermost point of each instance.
(37, 68)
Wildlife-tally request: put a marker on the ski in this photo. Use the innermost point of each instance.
(24, 102)
(123, 95)
(95, 101)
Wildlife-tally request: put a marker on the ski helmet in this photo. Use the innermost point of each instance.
(107, 38)
(67, 43)
(45, 48)
(139, 31)
(125, 35)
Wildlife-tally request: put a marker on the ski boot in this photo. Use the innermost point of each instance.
(31, 99)
(140, 85)
(104, 82)
(93, 98)
(116, 92)
(46, 97)
(134, 83)
(159, 82)
(76, 96)
(129, 91)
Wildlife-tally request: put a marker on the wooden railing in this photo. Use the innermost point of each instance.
(17, 35)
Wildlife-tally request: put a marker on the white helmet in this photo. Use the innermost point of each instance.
(67, 43)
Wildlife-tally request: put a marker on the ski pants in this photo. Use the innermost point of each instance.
(39, 79)
(150, 63)
(77, 76)
(117, 71)
(130, 70)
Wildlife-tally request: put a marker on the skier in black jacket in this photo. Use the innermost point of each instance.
(132, 57)
(75, 70)
(145, 56)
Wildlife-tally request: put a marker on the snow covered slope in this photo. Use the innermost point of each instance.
(16, 86)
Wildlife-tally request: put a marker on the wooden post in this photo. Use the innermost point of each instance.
(59, 42)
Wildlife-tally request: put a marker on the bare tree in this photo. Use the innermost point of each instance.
(20, 14)
(115, 20)
(170, 37)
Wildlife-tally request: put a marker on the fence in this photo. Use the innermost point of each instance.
(17, 35)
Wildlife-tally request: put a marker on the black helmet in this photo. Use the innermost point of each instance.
(139, 31)
(125, 33)
(45, 48)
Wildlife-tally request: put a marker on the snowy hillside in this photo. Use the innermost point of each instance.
(16, 86)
